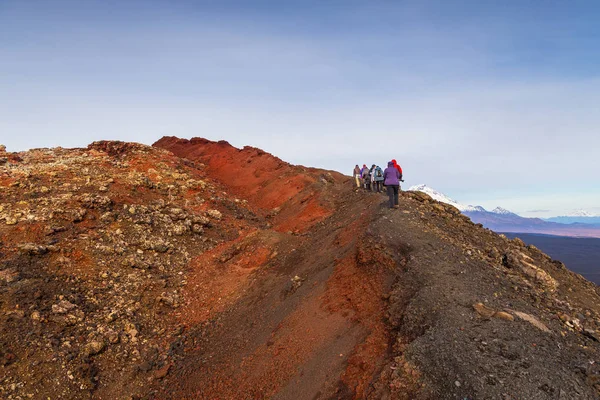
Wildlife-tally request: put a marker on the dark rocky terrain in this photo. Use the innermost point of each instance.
(194, 270)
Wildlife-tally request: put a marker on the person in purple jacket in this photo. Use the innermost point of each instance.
(391, 180)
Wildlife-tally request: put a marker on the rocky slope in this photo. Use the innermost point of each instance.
(95, 252)
(192, 269)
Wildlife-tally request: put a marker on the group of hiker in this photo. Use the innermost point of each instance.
(374, 179)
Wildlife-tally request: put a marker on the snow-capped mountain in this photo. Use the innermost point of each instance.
(581, 213)
(502, 211)
(503, 220)
(462, 207)
(445, 199)
(577, 217)
(474, 209)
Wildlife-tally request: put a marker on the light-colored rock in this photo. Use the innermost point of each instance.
(180, 229)
(504, 315)
(132, 332)
(216, 214)
(201, 220)
(111, 317)
(483, 310)
(94, 347)
(539, 275)
(518, 242)
(176, 211)
(532, 320)
(33, 249)
(9, 275)
(62, 307)
(518, 260)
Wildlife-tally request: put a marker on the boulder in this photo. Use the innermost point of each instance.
(524, 263)
(62, 307)
(33, 249)
(216, 214)
(483, 310)
(94, 347)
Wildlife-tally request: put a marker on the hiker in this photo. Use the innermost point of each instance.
(357, 175)
(378, 179)
(397, 166)
(391, 180)
(362, 171)
(366, 176)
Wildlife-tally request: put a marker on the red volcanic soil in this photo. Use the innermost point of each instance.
(292, 195)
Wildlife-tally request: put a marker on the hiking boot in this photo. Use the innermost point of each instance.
(396, 206)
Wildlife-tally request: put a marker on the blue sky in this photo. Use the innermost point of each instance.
(493, 103)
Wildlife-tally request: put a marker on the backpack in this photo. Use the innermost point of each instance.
(378, 173)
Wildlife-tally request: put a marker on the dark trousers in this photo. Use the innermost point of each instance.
(377, 186)
(392, 192)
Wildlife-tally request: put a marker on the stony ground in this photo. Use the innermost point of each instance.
(127, 272)
(95, 249)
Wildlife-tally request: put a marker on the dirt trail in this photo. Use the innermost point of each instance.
(310, 326)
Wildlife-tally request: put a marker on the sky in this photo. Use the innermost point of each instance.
(493, 103)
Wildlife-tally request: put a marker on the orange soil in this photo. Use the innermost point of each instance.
(351, 289)
(302, 335)
(213, 285)
(264, 180)
(305, 217)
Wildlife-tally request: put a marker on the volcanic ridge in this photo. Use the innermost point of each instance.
(191, 269)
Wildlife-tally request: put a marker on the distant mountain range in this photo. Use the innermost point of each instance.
(577, 216)
(594, 220)
(445, 199)
(502, 220)
(581, 213)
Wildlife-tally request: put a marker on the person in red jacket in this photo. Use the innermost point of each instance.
(398, 167)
